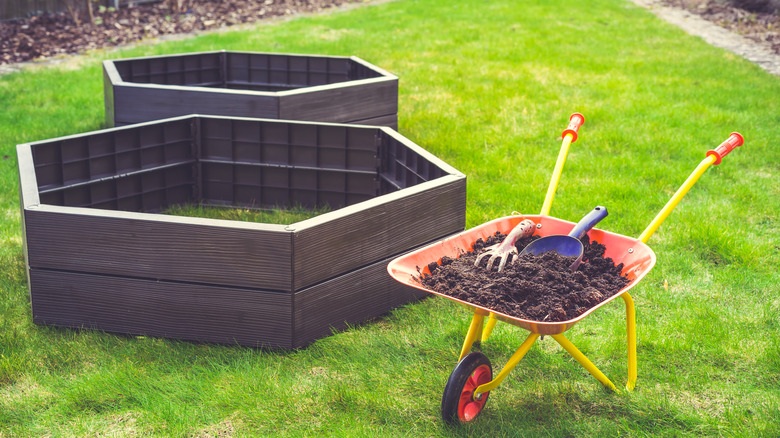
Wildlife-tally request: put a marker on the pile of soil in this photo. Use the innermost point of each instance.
(536, 288)
(50, 35)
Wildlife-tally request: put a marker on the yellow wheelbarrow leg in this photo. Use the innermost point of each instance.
(475, 330)
(584, 361)
(491, 322)
(631, 333)
(510, 365)
(571, 349)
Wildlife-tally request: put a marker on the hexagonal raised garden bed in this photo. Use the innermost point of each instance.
(101, 255)
(249, 84)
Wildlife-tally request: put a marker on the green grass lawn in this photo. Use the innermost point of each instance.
(487, 86)
(281, 216)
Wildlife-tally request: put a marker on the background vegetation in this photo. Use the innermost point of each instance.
(487, 86)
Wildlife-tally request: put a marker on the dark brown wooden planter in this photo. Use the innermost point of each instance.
(248, 84)
(100, 255)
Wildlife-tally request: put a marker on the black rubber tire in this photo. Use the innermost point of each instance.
(457, 402)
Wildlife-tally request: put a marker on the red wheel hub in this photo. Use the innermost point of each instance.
(468, 407)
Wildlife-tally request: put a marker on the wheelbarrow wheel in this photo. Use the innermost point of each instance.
(458, 404)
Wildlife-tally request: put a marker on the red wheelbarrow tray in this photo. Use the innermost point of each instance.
(637, 258)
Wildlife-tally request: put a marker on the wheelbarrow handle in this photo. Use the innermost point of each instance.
(569, 135)
(713, 157)
(734, 141)
(575, 121)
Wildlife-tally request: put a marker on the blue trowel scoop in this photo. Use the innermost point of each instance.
(568, 245)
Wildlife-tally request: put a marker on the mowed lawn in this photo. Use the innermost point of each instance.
(487, 86)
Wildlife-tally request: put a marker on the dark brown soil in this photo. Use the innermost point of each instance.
(50, 35)
(533, 288)
(762, 26)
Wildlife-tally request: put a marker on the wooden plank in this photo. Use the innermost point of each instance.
(341, 102)
(28, 195)
(390, 120)
(191, 312)
(423, 153)
(340, 241)
(28, 185)
(135, 103)
(351, 298)
(160, 247)
(373, 67)
(110, 77)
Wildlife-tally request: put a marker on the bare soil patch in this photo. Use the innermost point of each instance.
(761, 27)
(51, 35)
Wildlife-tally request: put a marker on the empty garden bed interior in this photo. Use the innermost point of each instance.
(225, 162)
(244, 70)
(100, 254)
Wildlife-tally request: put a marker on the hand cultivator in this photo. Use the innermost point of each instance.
(506, 251)
(470, 383)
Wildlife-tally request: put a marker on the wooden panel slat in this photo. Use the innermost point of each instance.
(390, 120)
(108, 95)
(143, 246)
(140, 103)
(352, 298)
(328, 246)
(339, 103)
(172, 310)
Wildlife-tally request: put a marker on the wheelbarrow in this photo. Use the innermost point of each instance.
(470, 383)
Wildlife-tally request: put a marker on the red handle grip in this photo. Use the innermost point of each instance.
(734, 141)
(575, 121)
